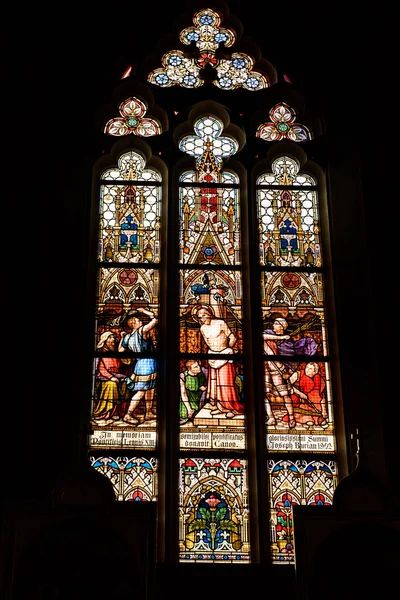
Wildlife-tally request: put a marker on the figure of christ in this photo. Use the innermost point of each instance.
(222, 392)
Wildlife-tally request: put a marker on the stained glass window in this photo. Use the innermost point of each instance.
(133, 479)
(295, 483)
(282, 125)
(214, 512)
(130, 212)
(125, 363)
(297, 381)
(211, 391)
(234, 324)
(132, 120)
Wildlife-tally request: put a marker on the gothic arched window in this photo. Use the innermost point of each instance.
(214, 392)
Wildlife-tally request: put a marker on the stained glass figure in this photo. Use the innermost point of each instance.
(192, 387)
(211, 404)
(298, 406)
(213, 510)
(293, 313)
(288, 217)
(227, 73)
(283, 126)
(124, 402)
(132, 120)
(215, 296)
(124, 386)
(111, 394)
(133, 479)
(295, 483)
(130, 212)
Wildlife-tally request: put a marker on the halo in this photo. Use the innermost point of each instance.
(198, 307)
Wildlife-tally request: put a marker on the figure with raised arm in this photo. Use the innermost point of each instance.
(277, 373)
(143, 379)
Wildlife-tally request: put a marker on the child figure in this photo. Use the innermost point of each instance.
(193, 388)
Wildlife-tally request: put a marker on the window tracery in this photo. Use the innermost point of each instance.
(132, 120)
(207, 35)
(283, 126)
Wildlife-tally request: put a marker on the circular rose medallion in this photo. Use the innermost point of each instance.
(127, 277)
(291, 280)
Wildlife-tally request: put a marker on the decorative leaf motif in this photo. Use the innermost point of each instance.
(229, 526)
(298, 133)
(133, 107)
(205, 513)
(268, 132)
(117, 127)
(220, 513)
(197, 524)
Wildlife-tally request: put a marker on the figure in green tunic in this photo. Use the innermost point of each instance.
(192, 387)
